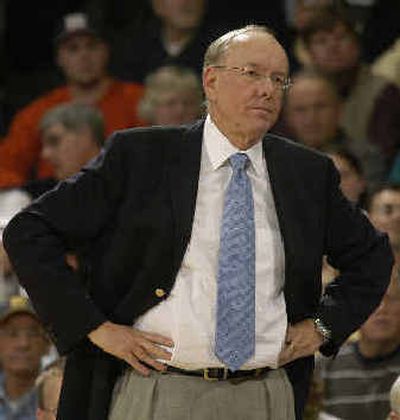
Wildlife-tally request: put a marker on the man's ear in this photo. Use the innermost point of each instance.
(209, 82)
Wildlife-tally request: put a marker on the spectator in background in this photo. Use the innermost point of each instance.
(83, 55)
(383, 206)
(371, 112)
(72, 134)
(49, 388)
(298, 14)
(173, 95)
(23, 343)
(11, 201)
(387, 64)
(178, 35)
(313, 110)
(357, 382)
(313, 113)
(353, 186)
(352, 180)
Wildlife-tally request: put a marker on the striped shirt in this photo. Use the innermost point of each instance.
(358, 388)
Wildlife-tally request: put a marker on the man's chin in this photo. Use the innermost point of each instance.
(262, 125)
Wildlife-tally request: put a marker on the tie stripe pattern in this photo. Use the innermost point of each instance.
(235, 325)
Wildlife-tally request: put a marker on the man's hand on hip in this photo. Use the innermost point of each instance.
(134, 346)
(302, 339)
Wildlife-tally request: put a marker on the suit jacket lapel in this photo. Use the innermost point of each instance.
(184, 172)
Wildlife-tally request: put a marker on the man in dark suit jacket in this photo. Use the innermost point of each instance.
(133, 217)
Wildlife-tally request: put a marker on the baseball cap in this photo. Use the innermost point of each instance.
(17, 305)
(76, 24)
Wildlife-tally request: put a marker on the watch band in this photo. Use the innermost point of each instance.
(322, 329)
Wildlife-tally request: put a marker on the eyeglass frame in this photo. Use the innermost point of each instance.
(255, 76)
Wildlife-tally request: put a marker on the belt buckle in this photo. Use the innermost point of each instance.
(207, 377)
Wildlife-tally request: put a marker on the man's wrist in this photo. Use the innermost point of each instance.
(99, 331)
(322, 329)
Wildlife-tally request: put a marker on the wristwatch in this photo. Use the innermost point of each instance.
(322, 329)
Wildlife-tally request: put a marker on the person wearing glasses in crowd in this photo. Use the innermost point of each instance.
(23, 343)
(203, 248)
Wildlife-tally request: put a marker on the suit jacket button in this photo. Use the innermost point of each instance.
(160, 293)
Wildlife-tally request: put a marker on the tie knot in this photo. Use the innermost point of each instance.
(239, 161)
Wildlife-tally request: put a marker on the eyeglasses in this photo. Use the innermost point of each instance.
(279, 82)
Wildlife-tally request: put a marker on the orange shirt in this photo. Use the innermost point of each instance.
(20, 150)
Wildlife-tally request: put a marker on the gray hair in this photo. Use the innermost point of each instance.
(217, 48)
(74, 117)
(168, 79)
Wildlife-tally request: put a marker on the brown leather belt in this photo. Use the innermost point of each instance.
(219, 374)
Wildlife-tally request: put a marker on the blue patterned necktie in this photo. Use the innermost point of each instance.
(235, 326)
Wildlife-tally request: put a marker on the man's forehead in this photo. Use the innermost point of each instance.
(53, 131)
(313, 86)
(386, 196)
(244, 46)
(336, 28)
(21, 318)
(263, 39)
(80, 38)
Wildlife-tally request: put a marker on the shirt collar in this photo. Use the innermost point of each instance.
(219, 148)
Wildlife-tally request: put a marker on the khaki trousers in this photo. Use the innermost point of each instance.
(179, 397)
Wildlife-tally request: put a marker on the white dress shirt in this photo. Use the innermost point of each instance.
(188, 315)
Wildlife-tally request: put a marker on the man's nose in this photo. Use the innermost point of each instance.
(23, 340)
(267, 86)
(44, 152)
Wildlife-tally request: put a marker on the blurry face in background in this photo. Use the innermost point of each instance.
(67, 150)
(305, 9)
(312, 112)
(334, 51)
(83, 59)
(352, 183)
(181, 14)
(384, 213)
(22, 345)
(384, 324)
(176, 107)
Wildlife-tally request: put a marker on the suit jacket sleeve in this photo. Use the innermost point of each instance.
(364, 260)
(37, 239)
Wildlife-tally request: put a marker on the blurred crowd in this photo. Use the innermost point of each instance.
(84, 69)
